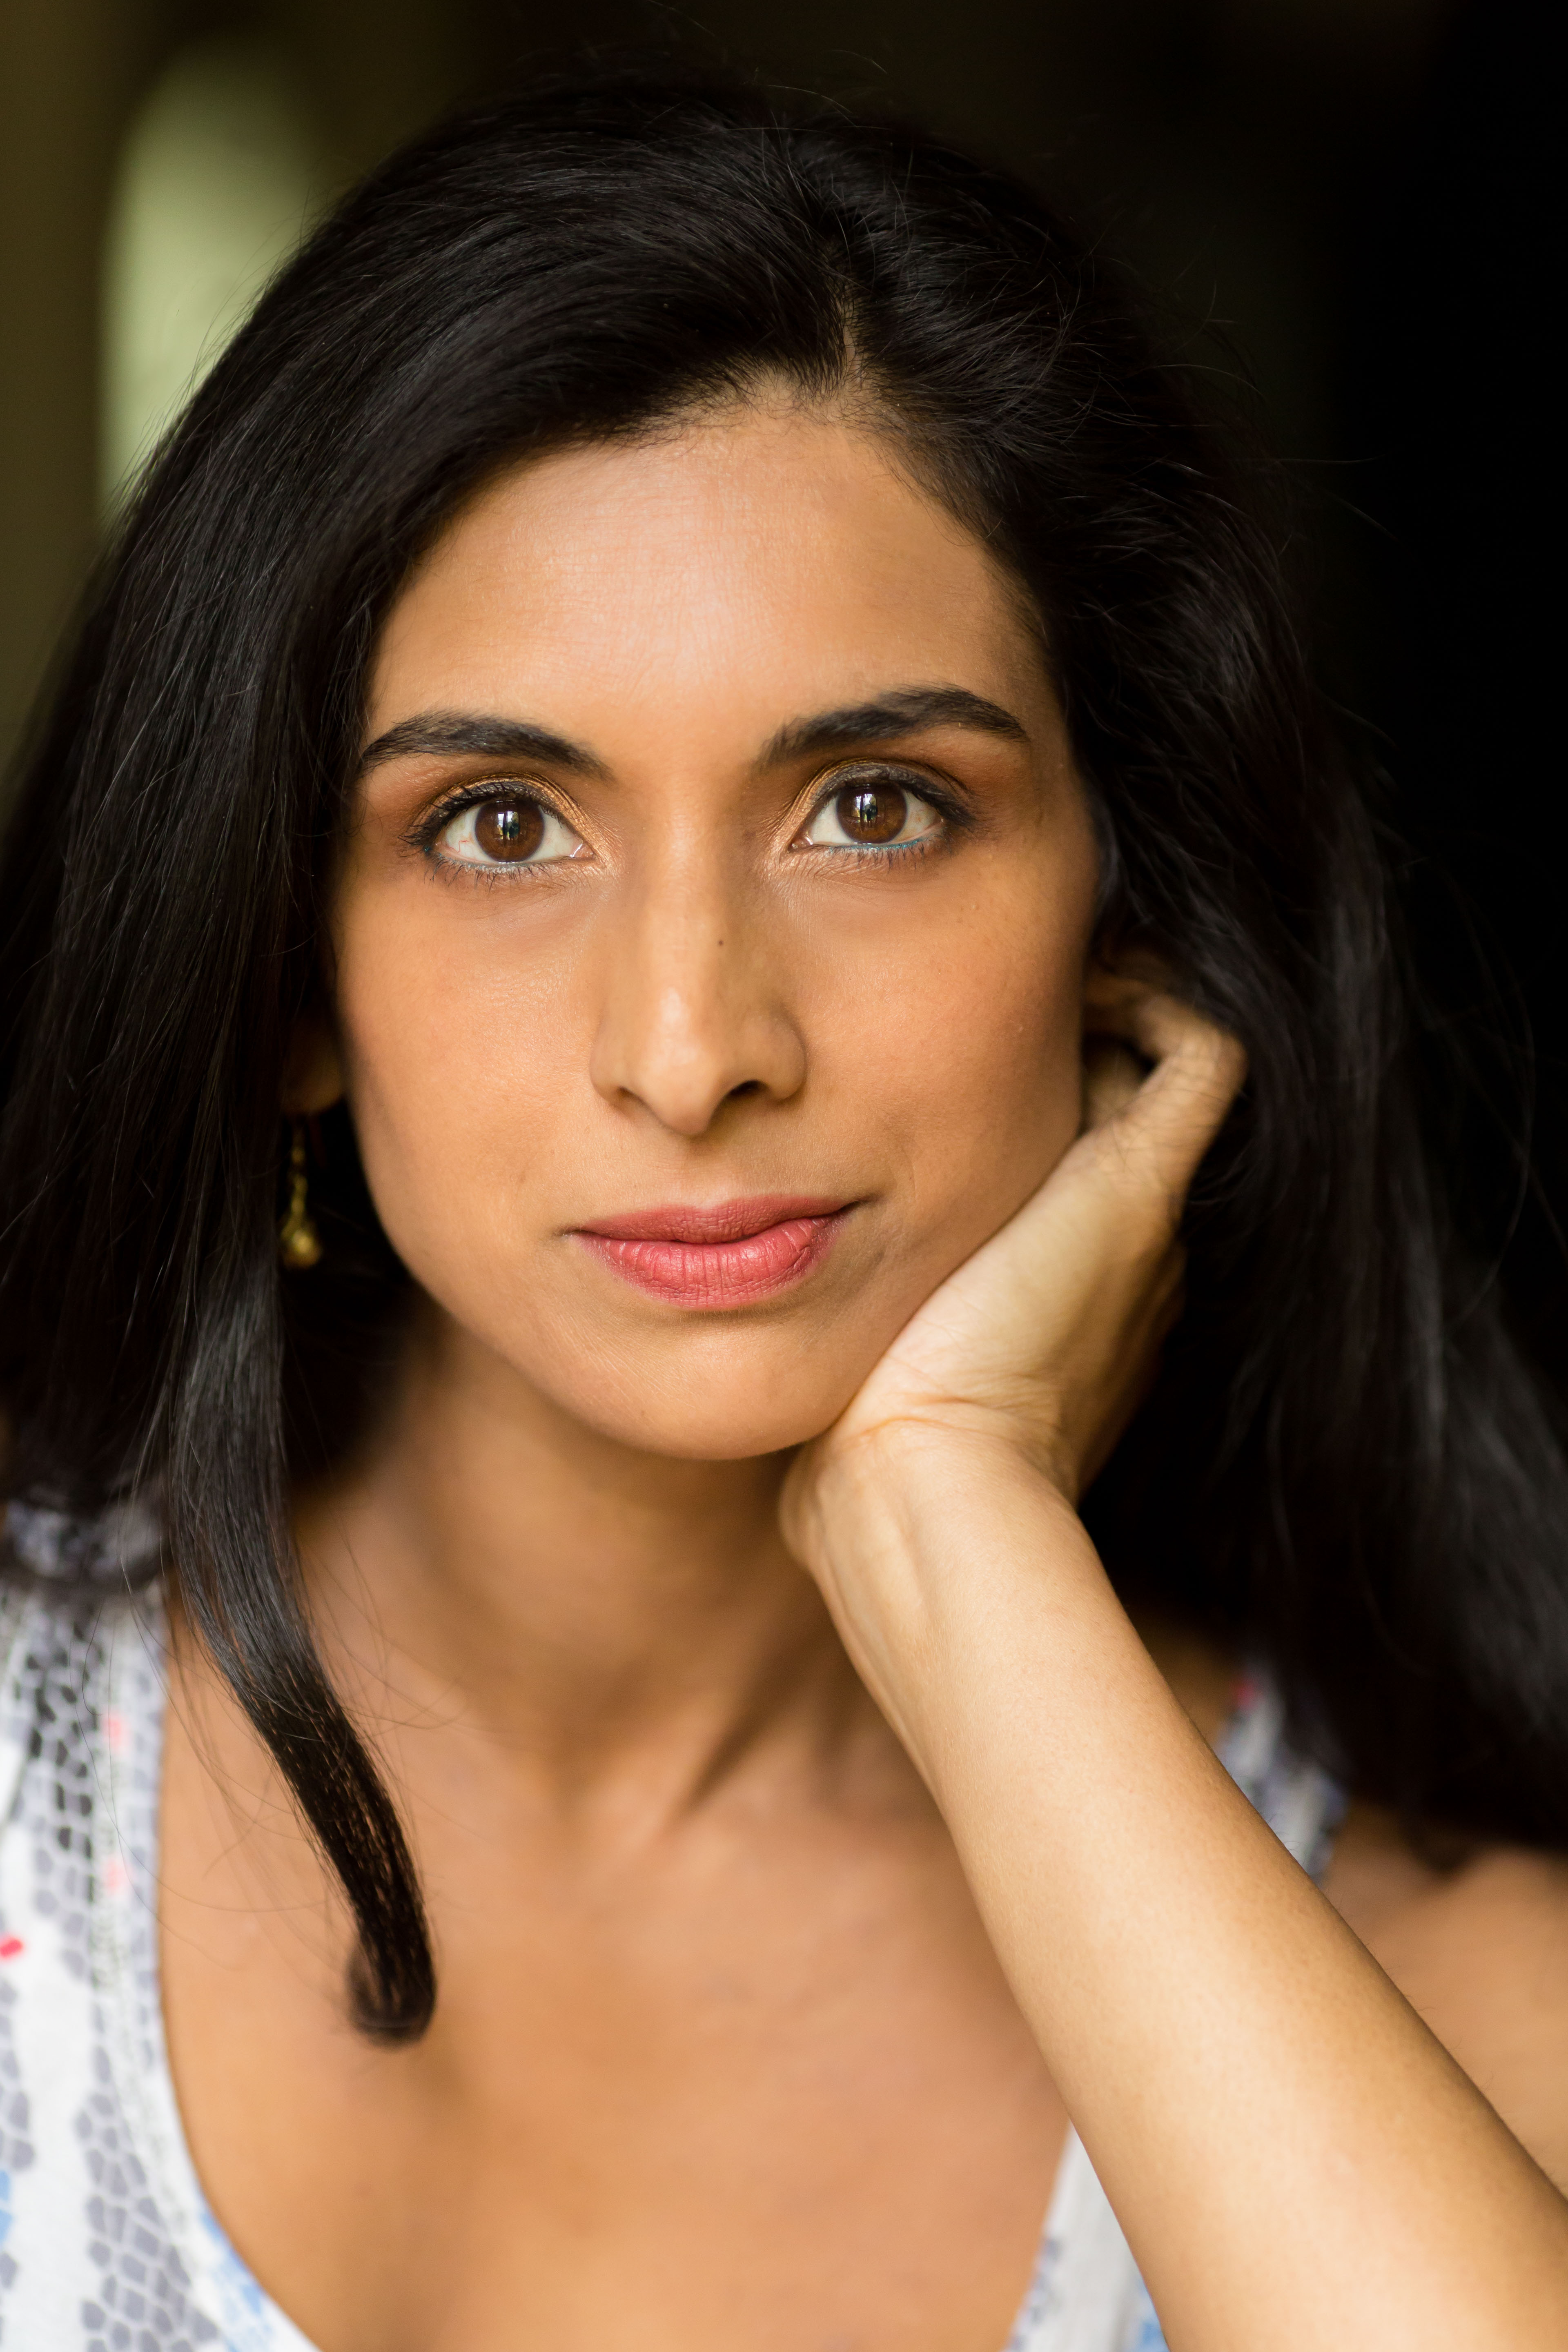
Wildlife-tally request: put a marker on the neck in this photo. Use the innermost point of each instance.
(500, 1572)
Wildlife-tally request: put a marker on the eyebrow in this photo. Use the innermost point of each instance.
(447, 734)
(904, 712)
(444, 733)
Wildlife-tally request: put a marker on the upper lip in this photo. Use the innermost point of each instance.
(725, 1221)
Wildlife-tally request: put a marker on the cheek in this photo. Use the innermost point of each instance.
(451, 1053)
(965, 1048)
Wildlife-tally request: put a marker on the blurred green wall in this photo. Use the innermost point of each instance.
(1215, 134)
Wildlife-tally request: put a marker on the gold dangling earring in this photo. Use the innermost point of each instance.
(299, 1243)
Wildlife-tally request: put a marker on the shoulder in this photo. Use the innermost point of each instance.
(1480, 1952)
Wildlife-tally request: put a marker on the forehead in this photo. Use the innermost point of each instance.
(775, 558)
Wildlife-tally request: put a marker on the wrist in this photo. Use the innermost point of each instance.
(945, 1554)
(916, 1473)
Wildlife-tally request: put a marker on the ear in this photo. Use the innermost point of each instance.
(312, 1072)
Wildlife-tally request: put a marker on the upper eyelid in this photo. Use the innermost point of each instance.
(943, 794)
(452, 804)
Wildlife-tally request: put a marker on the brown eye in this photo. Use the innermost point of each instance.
(514, 829)
(871, 813)
(509, 829)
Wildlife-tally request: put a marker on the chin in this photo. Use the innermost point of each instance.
(696, 1420)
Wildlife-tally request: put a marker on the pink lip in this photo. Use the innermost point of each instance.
(730, 1256)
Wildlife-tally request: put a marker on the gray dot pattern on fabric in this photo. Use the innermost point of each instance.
(141, 2301)
(16, 2148)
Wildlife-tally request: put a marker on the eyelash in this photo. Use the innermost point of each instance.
(955, 815)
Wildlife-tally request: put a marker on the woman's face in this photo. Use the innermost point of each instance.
(711, 931)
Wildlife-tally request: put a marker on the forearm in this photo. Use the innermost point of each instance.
(1294, 2158)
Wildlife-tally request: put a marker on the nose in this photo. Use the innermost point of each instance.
(693, 1014)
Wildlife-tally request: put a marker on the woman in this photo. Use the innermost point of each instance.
(576, 1774)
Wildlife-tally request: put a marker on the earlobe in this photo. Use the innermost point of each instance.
(313, 1073)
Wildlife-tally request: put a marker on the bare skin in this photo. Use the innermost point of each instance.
(761, 1990)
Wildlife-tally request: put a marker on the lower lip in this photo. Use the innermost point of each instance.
(715, 1274)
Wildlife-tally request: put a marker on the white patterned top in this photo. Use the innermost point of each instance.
(107, 2243)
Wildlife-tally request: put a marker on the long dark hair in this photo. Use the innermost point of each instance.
(1345, 1463)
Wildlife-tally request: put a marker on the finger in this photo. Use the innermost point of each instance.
(1162, 1131)
(1141, 1008)
(1113, 1075)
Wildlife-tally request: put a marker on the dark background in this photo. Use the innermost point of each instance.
(1349, 195)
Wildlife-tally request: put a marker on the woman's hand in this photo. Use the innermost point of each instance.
(1010, 1386)
(1042, 1344)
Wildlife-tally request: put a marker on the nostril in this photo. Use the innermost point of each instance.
(746, 1086)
